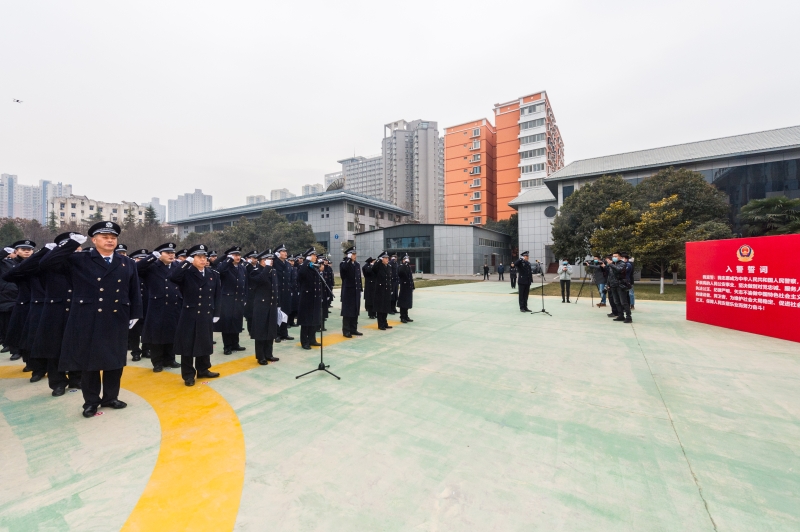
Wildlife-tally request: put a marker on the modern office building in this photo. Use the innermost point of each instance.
(312, 189)
(279, 194)
(161, 210)
(364, 175)
(330, 178)
(745, 167)
(252, 200)
(82, 209)
(335, 216)
(28, 201)
(515, 154)
(190, 203)
(439, 248)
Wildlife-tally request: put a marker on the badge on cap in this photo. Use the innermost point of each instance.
(28, 242)
(108, 224)
(202, 246)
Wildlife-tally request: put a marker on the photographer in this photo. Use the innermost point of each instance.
(565, 277)
(599, 275)
(629, 265)
(618, 286)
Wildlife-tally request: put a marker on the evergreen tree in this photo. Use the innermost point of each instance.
(10, 233)
(150, 215)
(52, 222)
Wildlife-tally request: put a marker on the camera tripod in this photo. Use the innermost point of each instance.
(322, 366)
(591, 289)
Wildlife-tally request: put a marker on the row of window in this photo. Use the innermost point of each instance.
(408, 242)
(530, 183)
(91, 208)
(530, 168)
(530, 139)
(295, 216)
(531, 124)
(532, 153)
(529, 110)
(492, 243)
(475, 170)
(358, 209)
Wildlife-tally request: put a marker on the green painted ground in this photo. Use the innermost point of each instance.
(474, 417)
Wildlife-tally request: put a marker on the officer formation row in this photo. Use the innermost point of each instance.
(72, 314)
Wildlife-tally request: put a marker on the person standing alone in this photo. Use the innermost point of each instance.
(565, 277)
(525, 281)
(512, 273)
(500, 271)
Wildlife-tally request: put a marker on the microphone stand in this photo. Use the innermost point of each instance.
(322, 366)
(541, 274)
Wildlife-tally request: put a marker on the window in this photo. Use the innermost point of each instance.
(351, 226)
(476, 207)
(372, 213)
(220, 227)
(475, 183)
(476, 132)
(529, 139)
(531, 124)
(322, 209)
(91, 207)
(62, 214)
(550, 211)
(532, 183)
(567, 190)
(492, 243)
(476, 220)
(327, 209)
(327, 215)
(99, 209)
(476, 195)
(527, 169)
(371, 227)
(73, 205)
(351, 208)
(476, 145)
(380, 215)
(360, 228)
(408, 242)
(202, 228)
(295, 216)
(397, 218)
(360, 210)
(114, 219)
(476, 170)
(72, 215)
(113, 211)
(140, 213)
(476, 157)
(529, 110)
(63, 205)
(322, 215)
(125, 211)
(532, 153)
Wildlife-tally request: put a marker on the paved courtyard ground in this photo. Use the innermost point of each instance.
(475, 417)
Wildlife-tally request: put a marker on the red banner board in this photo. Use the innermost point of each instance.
(747, 284)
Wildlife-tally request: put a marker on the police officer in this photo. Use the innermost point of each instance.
(233, 285)
(352, 286)
(250, 263)
(284, 278)
(309, 312)
(200, 310)
(292, 312)
(50, 332)
(8, 292)
(163, 306)
(330, 280)
(263, 278)
(135, 345)
(122, 249)
(106, 302)
(180, 255)
(382, 298)
(23, 249)
(525, 280)
(369, 287)
(512, 273)
(405, 299)
(395, 283)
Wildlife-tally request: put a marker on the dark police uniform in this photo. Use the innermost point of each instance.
(352, 287)
(194, 334)
(282, 268)
(405, 300)
(309, 313)
(28, 275)
(135, 345)
(164, 303)
(233, 284)
(105, 299)
(294, 288)
(525, 280)
(265, 284)
(382, 297)
(22, 305)
(330, 280)
(8, 293)
(395, 283)
(369, 287)
(512, 273)
(248, 305)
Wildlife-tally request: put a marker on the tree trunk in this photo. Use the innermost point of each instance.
(662, 279)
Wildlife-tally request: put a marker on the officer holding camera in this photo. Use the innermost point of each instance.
(599, 275)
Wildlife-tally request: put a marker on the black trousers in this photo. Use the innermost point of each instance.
(403, 313)
(37, 365)
(264, 349)
(524, 290)
(513, 281)
(134, 337)
(308, 334)
(485, 275)
(92, 382)
(565, 283)
(191, 366)
(5, 317)
(283, 330)
(395, 291)
(501, 277)
(611, 302)
(161, 354)
(349, 324)
(57, 378)
(230, 340)
(382, 321)
(621, 301)
(292, 321)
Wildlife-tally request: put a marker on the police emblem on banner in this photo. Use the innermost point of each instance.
(745, 253)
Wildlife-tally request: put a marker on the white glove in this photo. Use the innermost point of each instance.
(157, 254)
(215, 320)
(80, 239)
(133, 322)
(8, 250)
(268, 262)
(51, 245)
(230, 257)
(349, 255)
(190, 260)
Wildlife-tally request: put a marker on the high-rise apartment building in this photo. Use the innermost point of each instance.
(281, 193)
(161, 210)
(28, 201)
(312, 189)
(364, 175)
(517, 153)
(252, 200)
(187, 204)
(82, 209)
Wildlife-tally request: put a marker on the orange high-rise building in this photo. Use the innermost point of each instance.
(500, 161)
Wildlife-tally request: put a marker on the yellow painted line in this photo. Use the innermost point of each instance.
(375, 325)
(198, 478)
(13, 372)
(329, 339)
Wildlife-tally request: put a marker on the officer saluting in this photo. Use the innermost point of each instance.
(350, 271)
(233, 278)
(106, 302)
(122, 249)
(285, 280)
(266, 298)
(525, 280)
(369, 288)
(194, 335)
(309, 314)
(406, 298)
(382, 297)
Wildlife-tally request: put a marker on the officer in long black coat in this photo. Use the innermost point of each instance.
(282, 268)
(8, 292)
(106, 302)
(50, 332)
(330, 280)
(264, 280)
(512, 273)
(27, 274)
(200, 310)
(294, 291)
(525, 272)
(312, 300)
(164, 303)
(405, 300)
(382, 297)
(393, 265)
(250, 263)
(137, 348)
(23, 249)
(369, 287)
(352, 287)
(233, 281)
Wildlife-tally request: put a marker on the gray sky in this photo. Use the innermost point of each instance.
(128, 100)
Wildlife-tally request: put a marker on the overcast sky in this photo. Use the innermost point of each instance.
(128, 100)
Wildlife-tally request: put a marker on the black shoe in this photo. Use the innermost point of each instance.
(273, 359)
(381, 328)
(158, 369)
(618, 318)
(277, 340)
(238, 348)
(568, 301)
(388, 326)
(403, 320)
(145, 354)
(173, 365)
(189, 381)
(262, 361)
(523, 310)
(315, 344)
(628, 320)
(207, 374)
(227, 351)
(59, 391)
(356, 333)
(213, 342)
(372, 317)
(306, 346)
(409, 320)
(288, 338)
(347, 335)
(612, 315)
(563, 301)
(5, 350)
(36, 377)
(136, 358)
(27, 369)
(15, 357)
(116, 404)
(89, 411)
